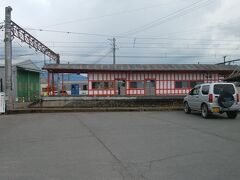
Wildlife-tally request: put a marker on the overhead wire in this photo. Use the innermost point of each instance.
(106, 35)
(106, 55)
(187, 39)
(187, 46)
(102, 35)
(132, 37)
(20, 55)
(107, 15)
(217, 42)
(137, 56)
(127, 56)
(69, 32)
(119, 36)
(158, 21)
(76, 42)
(136, 43)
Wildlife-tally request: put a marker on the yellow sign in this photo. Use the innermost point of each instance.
(215, 109)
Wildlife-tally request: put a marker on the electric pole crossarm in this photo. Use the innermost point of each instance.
(24, 36)
(230, 61)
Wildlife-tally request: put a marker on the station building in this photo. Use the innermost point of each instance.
(142, 79)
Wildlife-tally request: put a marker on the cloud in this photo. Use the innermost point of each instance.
(223, 25)
(225, 18)
(40, 2)
(218, 20)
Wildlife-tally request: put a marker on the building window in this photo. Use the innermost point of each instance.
(136, 85)
(102, 85)
(84, 87)
(208, 76)
(186, 84)
(181, 84)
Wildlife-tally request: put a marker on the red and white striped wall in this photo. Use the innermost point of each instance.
(164, 82)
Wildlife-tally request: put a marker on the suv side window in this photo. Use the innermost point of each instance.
(196, 91)
(205, 89)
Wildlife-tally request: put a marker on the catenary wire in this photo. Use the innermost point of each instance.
(164, 18)
(106, 15)
(133, 37)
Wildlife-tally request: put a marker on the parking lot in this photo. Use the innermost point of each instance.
(119, 145)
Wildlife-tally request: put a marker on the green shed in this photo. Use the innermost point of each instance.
(25, 80)
(27, 85)
(28, 81)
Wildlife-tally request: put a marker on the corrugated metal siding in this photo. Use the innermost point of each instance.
(28, 85)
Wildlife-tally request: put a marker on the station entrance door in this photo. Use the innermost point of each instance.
(120, 87)
(150, 87)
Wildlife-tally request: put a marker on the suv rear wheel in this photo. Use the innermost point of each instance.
(187, 109)
(232, 114)
(204, 111)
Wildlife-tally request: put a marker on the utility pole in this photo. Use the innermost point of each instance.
(113, 44)
(114, 51)
(224, 60)
(58, 84)
(8, 59)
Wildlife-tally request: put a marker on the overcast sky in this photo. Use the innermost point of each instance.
(146, 31)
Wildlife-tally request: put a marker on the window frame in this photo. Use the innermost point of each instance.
(197, 88)
(232, 86)
(143, 83)
(188, 84)
(181, 87)
(111, 88)
(202, 90)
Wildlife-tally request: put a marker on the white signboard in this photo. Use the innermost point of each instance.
(2, 102)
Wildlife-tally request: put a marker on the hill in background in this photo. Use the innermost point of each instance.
(67, 77)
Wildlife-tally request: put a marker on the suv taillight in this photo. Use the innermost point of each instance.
(210, 98)
(237, 98)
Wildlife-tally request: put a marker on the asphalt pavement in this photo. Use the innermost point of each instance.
(166, 145)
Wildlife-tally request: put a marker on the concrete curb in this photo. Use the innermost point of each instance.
(94, 109)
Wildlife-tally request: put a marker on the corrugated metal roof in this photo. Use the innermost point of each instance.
(28, 65)
(24, 64)
(138, 67)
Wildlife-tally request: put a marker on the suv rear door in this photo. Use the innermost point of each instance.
(221, 89)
